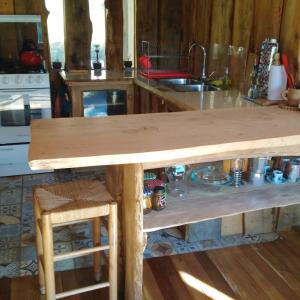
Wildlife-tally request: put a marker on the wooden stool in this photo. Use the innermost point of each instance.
(68, 203)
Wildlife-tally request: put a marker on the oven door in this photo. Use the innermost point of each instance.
(17, 108)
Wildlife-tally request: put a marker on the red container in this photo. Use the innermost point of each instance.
(30, 59)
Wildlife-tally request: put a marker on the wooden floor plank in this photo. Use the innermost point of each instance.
(217, 279)
(5, 288)
(151, 290)
(280, 267)
(262, 271)
(168, 279)
(25, 288)
(264, 274)
(185, 272)
(237, 275)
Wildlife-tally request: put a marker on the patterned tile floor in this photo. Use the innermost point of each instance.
(17, 241)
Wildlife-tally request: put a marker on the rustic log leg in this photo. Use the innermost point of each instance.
(113, 252)
(39, 246)
(114, 184)
(48, 257)
(134, 238)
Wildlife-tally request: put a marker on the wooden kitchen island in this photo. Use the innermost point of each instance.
(130, 144)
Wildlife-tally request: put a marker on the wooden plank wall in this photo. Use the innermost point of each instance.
(114, 34)
(240, 23)
(160, 22)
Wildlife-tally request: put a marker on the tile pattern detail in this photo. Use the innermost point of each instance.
(17, 233)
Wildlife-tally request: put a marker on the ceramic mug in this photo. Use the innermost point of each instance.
(292, 96)
(277, 176)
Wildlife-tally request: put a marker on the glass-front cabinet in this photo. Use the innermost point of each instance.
(101, 103)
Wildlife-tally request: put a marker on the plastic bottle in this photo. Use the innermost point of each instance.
(277, 79)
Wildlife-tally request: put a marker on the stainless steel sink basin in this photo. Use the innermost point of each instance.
(179, 81)
(187, 85)
(194, 88)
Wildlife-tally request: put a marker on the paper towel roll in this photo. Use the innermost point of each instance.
(277, 82)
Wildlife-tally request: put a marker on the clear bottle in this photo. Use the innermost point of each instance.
(226, 80)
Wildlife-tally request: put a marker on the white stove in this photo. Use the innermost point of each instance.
(23, 98)
(24, 81)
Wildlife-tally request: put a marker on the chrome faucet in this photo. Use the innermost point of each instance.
(203, 76)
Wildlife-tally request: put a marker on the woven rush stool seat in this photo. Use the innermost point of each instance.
(68, 203)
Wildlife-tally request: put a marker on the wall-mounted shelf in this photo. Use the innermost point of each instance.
(197, 206)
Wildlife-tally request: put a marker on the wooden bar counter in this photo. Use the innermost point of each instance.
(132, 143)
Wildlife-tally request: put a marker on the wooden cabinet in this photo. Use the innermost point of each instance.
(77, 90)
(78, 83)
(146, 102)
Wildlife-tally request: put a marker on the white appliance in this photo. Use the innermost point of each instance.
(23, 98)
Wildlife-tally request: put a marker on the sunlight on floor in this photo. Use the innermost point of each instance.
(202, 287)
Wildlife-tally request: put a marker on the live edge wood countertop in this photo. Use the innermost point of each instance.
(155, 140)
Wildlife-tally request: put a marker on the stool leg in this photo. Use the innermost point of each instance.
(113, 252)
(48, 257)
(97, 242)
(39, 246)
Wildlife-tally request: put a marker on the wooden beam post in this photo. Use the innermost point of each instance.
(133, 222)
(114, 35)
(78, 34)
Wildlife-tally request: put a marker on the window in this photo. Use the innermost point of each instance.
(56, 29)
(97, 16)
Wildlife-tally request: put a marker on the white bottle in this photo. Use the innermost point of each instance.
(277, 80)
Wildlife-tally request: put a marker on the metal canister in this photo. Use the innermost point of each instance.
(159, 198)
(293, 171)
(257, 165)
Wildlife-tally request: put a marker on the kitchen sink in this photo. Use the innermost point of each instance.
(179, 81)
(187, 85)
(194, 88)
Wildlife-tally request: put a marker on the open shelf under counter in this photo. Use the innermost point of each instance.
(199, 206)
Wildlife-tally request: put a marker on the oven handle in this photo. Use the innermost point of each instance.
(27, 114)
(19, 91)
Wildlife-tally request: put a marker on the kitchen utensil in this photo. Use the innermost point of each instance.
(176, 176)
(271, 180)
(212, 175)
(277, 176)
(292, 96)
(293, 171)
(257, 178)
(29, 56)
(30, 59)
(257, 165)
(236, 172)
(268, 49)
(290, 78)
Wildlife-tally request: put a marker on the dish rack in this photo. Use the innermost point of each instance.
(150, 64)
